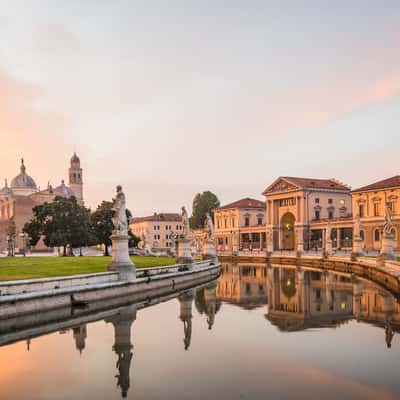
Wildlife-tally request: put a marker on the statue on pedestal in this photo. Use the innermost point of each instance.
(209, 227)
(388, 227)
(185, 222)
(120, 220)
(121, 261)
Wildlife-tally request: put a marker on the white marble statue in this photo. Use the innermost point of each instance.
(209, 227)
(388, 227)
(120, 221)
(185, 222)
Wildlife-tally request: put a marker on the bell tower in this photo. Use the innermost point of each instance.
(75, 178)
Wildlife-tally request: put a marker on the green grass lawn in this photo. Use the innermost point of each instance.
(13, 268)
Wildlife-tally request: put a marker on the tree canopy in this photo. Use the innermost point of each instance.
(61, 223)
(203, 203)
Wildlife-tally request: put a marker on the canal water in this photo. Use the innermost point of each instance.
(258, 332)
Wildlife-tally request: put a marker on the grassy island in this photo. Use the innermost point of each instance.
(13, 268)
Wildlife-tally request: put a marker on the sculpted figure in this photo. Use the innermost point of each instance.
(185, 222)
(209, 227)
(388, 227)
(120, 221)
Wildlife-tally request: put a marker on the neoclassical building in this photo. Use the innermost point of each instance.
(298, 211)
(18, 199)
(240, 226)
(157, 231)
(370, 203)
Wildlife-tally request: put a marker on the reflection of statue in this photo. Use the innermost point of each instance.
(123, 365)
(187, 329)
(388, 227)
(185, 222)
(209, 227)
(388, 334)
(120, 221)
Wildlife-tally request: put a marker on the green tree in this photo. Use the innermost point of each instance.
(102, 225)
(203, 203)
(62, 223)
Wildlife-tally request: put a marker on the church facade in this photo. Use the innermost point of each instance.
(18, 199)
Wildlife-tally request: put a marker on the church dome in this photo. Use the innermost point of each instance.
(63, 190)
(5, 191)
(23, 183)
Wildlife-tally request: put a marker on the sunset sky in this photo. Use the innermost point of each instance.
(168, 98)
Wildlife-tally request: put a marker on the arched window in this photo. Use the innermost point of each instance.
(377, 235)
(362, 235)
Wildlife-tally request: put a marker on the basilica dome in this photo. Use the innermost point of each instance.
(63, 190)
(23, 183)
(5, 191)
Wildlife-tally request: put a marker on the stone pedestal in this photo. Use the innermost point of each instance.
(270, 241)
(121, 261)
(209, 252)
(328, 248)
(299, 241)
(184, 255)
(357, 248)
(386, 252)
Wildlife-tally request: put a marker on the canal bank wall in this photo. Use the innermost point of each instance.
(38, 295)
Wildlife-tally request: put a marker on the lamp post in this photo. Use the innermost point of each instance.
(10, 247)
(23, 236)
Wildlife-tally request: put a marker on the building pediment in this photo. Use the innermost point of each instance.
(281, 185)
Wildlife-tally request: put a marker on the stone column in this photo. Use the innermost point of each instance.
(386, 252)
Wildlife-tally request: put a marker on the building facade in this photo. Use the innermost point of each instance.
(157, 231)
(298, 211)
(370, 203)
(18, 200)
(240, 226)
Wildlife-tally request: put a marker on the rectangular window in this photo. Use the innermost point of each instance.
(330, 201)
(330, 214)
(317, 215)
(376, 210)
(316, 200)
(361, 210)
(247, 221)
(291, 201)
(259, 221)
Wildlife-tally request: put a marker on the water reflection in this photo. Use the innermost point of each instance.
(285, 299)
(303, 298)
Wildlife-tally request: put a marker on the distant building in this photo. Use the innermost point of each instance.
(370, 203)
(240, 225)
(18, 199)
(157, 231)
(298, 210)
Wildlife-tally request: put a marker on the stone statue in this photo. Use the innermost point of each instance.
(357, 226)
(120, 220)
(388, 227)
(185, 222)
(209, 227)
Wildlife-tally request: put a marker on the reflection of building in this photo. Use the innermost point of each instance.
(370, 202)
(240, 226)
(300, 299)
(243, 284)
(298, 210)
(123, 346)
(157, 231)
(18, 199)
